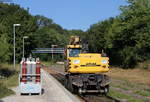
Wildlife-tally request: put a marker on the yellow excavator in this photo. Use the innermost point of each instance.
(85, 71)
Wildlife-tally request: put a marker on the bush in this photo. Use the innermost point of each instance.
(128, 57)
(6, 72)
(144, 65)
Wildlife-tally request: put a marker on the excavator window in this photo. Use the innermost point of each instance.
(74, 52)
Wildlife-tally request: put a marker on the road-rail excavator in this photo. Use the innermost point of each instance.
(85, 71)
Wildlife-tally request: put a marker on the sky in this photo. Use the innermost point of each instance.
(74, 14)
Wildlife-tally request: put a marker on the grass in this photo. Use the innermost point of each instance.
(129, 84)
(8, 79)
(48, 63)
(4, 91)
(139, 76)
(119, 86)
(142, 92)
(148, 90)
(122, 96)
(11, 81)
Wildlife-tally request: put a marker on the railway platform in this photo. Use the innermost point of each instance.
(53, 92)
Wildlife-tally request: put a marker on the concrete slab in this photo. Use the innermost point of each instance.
(53, 92)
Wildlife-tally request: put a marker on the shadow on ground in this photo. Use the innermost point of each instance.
(42, 92)
(1, 101)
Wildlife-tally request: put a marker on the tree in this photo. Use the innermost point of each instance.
(126, 38)
(12, 14)
(97, 35)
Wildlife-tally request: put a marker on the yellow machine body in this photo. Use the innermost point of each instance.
(86, 62)
(85, 70)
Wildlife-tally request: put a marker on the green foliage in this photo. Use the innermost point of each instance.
(4, 46)
(49, 37)
(8, 78)
(47, 34)
(125, 38)
(43, 21)
(121, 96)
(41, 31)
(142, 93)
(97, 35)
(13, 14)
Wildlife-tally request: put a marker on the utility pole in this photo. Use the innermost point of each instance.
(52, 50)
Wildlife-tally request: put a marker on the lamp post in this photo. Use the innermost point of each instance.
(15, 25)
(25, 37)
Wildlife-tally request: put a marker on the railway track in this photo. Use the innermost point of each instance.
(85, 98)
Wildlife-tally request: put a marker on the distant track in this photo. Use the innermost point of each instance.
(86, 98)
